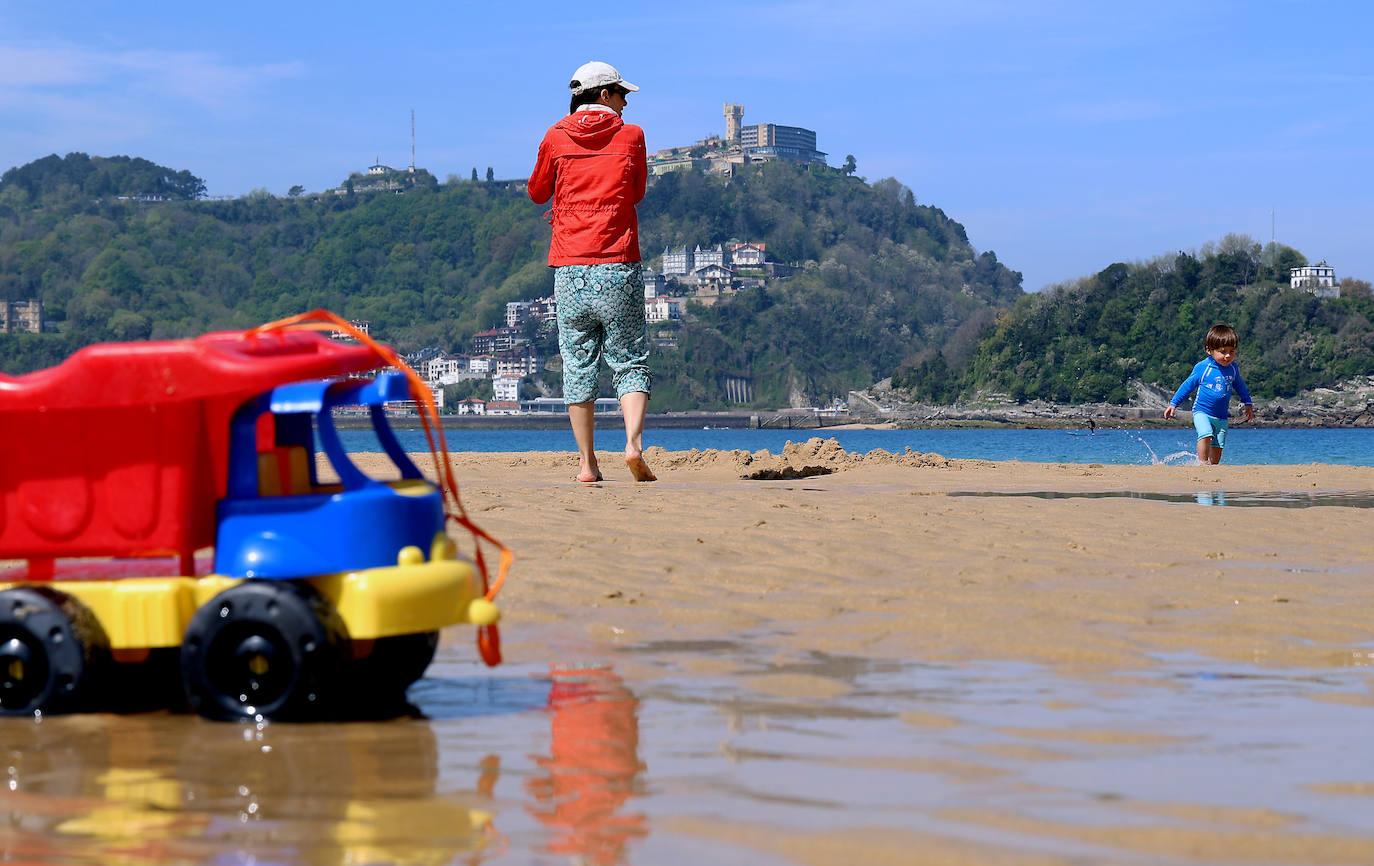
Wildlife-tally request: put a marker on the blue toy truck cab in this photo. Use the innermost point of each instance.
(271, 523)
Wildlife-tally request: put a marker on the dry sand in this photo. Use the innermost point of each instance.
(876, 558)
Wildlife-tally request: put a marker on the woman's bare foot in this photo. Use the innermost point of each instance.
(638, 468)
(589, 474)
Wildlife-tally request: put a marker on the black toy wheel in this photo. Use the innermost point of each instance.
(51, 650)
(262, 647)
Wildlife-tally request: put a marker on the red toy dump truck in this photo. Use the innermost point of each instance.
(162, 514)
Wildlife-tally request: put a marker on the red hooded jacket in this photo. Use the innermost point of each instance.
(594, 166)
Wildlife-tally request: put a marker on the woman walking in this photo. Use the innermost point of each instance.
(594, 166)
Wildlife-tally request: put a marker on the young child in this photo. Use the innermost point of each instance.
(1213, 378)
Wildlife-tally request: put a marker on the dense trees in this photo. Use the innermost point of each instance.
(883, 283)
(55, 179)
(881, 276)
(428, 268)
(1088, 339)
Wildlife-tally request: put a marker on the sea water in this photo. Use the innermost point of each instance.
(1253, 445)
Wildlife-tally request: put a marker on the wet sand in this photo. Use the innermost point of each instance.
(1109, 600)
(811, 658)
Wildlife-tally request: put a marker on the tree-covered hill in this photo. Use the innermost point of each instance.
(121, 248)
(1087, 340)
(55, 179)
(882, 277)
(427, 268)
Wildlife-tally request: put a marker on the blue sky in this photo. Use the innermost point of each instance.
(1064, 135)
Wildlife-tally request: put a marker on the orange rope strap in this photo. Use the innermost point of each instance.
(488, 636)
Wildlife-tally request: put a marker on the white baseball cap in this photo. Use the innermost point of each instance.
(595, 75)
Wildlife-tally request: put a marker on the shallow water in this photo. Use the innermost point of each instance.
(707, 740)
(1240, 499)
(1152, 446)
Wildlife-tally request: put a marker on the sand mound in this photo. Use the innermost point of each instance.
(815, 456)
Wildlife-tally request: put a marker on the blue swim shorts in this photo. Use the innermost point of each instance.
(601, 315)
(1210, 428)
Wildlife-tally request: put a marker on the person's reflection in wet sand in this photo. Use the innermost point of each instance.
(593, 766)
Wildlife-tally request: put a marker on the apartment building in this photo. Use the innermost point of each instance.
(21, 317)
(495, 340)
(540, 310)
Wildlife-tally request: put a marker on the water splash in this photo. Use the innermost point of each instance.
(1180, 458)
(1177, 458)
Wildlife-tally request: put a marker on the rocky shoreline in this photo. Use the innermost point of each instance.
(1349, 405)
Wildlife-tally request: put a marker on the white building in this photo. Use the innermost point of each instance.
(677, 263)
(506, 389)
(516, 313)
(662, 309)
(556, 406)
(518, 362)
(716, 277)
(654, 284)
(361, 324)
(16, 316)
(1319, 279)
(446, 369)
(748, 255)
(705, 258)
(519, 312)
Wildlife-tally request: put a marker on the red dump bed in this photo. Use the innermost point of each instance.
(122, 449)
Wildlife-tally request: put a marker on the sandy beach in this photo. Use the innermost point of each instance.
(888, 558)
(811, 658)
(884, 556)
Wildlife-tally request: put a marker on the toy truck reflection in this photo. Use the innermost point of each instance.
(126, 464)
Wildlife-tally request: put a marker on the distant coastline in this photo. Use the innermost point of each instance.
(1349, 405)
(1044, 416)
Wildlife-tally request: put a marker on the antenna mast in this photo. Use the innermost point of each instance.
(412, 139)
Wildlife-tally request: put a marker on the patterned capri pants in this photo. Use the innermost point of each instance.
(601, 314)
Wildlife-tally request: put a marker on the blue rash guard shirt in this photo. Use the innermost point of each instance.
(1213, 383)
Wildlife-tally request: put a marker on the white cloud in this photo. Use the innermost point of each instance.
(202, 78)
(56, 97)
(78, 72)
(22, 68)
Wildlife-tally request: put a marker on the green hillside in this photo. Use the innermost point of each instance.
(1087, 340)
(883, 278)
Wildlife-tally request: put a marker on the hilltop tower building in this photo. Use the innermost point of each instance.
(761, 142)
(734, 114)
